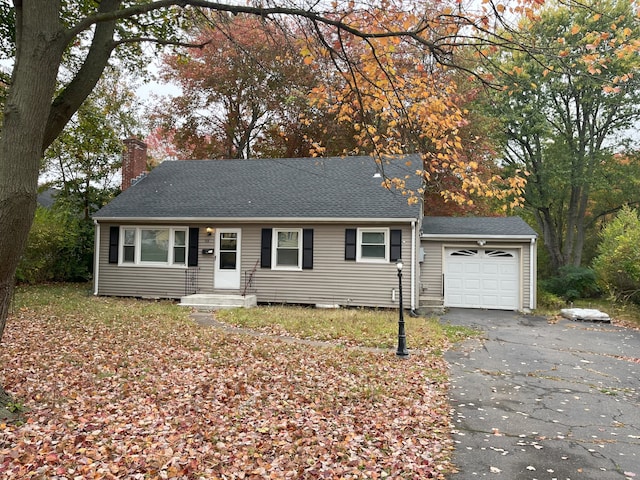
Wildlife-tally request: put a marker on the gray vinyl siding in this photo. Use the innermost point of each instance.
(135, 280)
(333, 280)
(431, 271)
(431, 278)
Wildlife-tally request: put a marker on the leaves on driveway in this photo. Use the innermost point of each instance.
(140, 395)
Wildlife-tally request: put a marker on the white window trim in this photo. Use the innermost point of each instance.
(387, 246)
(137, 247)
(274, 250)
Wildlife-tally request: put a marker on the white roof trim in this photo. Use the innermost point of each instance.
(460, 236)
(254, 219)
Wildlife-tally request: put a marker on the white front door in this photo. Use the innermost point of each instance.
(227, 270)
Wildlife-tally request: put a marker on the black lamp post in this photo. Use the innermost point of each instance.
(402, 338)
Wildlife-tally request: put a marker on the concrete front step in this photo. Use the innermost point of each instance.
(431, 301)
(208, 302)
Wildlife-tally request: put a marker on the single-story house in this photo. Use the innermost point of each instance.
(319, 231)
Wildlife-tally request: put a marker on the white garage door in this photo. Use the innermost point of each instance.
(482, 278)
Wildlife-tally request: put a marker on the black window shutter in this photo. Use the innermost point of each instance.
(265, 248)
(194, 232)
(307, 248)
(114, 238)
(350, 244)
(396, 245)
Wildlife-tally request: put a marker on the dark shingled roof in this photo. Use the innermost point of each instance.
(481, 226)
(267, 188)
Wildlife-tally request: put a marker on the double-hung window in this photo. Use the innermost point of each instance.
(373, 245)
(287, 251)
(153, 246)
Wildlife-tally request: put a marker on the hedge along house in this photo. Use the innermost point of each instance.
(478, 262)
(303, 231)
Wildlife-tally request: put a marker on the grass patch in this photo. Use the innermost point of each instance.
(355, 326)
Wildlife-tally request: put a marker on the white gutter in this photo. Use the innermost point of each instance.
(532, 274)
(255, 219)
(413, 265)
(96, 257)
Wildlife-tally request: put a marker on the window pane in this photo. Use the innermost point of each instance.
(154, 245)
(227, 260)
(373, 237)
(287, 239)
(179, 254)
(129, 237)
(129, 253)
(287, 257)
(373, 251)
(180, 238)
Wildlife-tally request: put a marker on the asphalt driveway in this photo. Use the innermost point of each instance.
(540, 400)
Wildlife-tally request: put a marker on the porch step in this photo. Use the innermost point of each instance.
(431, 305)
(431, 301)
(208, 302)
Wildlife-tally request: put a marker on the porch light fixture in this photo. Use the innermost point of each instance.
(402, 351)
(210, 231)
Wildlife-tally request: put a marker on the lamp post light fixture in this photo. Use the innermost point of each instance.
(402, 351)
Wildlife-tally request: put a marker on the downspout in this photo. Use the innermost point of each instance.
(96, 257)
(413, 266)
(532, 274)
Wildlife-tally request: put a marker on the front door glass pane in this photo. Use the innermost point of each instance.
(228, 250)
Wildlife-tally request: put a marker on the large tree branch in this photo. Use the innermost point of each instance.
(76, 92)
(159, 41)
(314, 16)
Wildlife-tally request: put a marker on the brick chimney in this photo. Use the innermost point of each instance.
(134, 162)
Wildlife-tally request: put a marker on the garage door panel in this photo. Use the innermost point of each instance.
(471, 284)
(482, 278)
(456, 268)
(511, 270)
(490, 269)
(472, 268)
(491, 285)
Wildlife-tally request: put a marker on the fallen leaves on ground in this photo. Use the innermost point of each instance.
(140, 396)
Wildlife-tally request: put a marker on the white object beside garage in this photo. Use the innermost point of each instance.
(585, 315)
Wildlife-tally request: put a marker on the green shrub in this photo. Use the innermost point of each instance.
(572, 283)
(549, 301)
(618, 262)
(59, 248)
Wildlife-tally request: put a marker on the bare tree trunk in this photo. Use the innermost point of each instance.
(40, 47)
(552, 240)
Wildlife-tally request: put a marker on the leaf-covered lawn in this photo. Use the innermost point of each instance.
(119, 388)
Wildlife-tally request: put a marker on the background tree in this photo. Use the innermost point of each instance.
(566, 108)
(238, 89)
(84, 162)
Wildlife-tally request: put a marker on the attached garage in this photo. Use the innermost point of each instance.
(478, 262)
